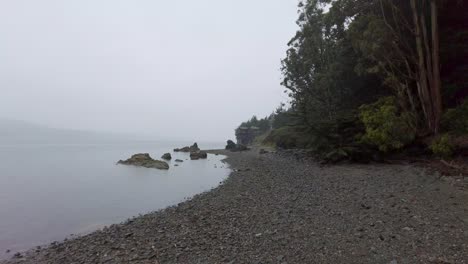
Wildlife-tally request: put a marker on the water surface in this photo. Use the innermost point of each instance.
(48, 192)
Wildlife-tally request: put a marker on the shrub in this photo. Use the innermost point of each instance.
(329, 136)
(455, 120)
(288, 137)
(442, 146)
(386, 126)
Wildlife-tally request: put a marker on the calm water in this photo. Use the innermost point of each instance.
(48, 192)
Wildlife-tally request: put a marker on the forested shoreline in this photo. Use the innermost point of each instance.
(376, 78)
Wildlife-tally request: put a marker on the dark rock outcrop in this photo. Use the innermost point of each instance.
(145, 160)
(166, 156)
(235, 147)
(231, 145)
(184, 149)
(198, 155)
(179, 160)
(192, 148)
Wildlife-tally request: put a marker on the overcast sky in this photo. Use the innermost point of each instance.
(171, 69)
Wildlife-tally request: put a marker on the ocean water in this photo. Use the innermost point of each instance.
(50, 191)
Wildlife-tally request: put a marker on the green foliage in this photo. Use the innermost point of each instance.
(263, 124)
(288, 137)
(455, 120)
(329, 141)
(340, 140)
(336, 134)
(336, 155)
(282, 117)
(386, 126)
(319, 68)
(347, 54)
(442, 146)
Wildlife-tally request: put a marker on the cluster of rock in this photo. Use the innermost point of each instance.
(198, 155)
(235, 147)
(193, 148)
(195, 152)
(145, 160)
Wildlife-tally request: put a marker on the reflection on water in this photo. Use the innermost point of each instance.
(48, 192)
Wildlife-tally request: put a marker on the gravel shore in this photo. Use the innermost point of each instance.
(276, 209)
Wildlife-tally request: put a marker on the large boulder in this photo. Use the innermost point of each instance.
(230, 145)
(166, 156)
(145, 160)
(203, 154)
(192, 148)
(198, 155)
(235, 147)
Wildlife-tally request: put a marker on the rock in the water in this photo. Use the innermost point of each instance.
(145, 160)
(192, 148)
(184, 149)
(179, 160)
(203, 155)
(198, 155)
(166, 156)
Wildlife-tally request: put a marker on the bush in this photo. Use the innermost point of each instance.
(288, 137)
(337, 135)
(330, 141)
(442, 146)
(386, 126)
(455, 120)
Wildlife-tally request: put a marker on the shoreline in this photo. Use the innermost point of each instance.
(275, 209)
(32, 251)
(64, 201)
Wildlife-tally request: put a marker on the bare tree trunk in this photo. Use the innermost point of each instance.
(436, 67)
(423, 82)
(421, 56)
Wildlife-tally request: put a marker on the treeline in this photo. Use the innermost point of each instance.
(279, 118)
(263, 124)
(375, 76)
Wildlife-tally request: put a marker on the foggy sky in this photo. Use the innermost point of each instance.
(169, 69)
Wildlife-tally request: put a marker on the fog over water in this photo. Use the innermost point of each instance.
(189, 70)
